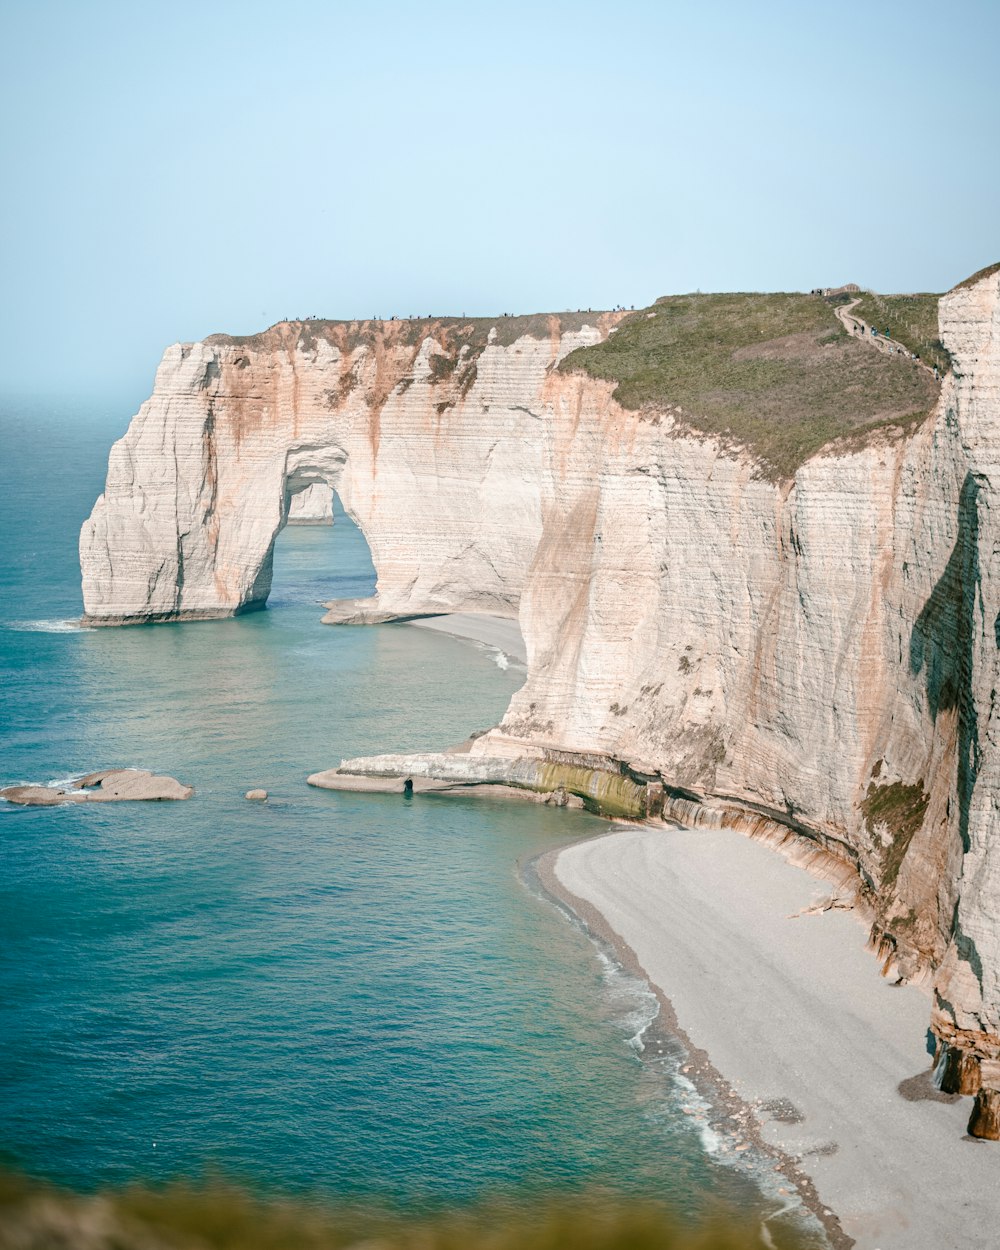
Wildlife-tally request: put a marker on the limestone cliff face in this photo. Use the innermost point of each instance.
(822, 651)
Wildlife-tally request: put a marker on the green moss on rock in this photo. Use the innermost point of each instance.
(604, 792)
(901, 809)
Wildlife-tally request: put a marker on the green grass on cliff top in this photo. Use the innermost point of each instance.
(774, 373)
(910, 319)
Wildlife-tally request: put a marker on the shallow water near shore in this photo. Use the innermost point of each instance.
(355, 994)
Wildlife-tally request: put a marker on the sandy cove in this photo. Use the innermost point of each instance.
(493, 631)
(801, 1039)
(791, 1009)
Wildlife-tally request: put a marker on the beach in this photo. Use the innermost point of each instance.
(494, 631)
(791, 1011)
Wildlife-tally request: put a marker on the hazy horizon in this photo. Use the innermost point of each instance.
(179, 171)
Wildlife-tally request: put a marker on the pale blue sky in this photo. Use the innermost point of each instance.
(174, 169)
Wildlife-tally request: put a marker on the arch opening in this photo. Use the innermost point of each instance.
(319, 552)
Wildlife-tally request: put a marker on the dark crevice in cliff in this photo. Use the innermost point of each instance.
(967, 949)
(942, 644)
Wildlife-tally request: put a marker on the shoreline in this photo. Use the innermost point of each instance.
(735, 1112)
(500, 632)
(810, 1053)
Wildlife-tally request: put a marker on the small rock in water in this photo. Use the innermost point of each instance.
(257, 795)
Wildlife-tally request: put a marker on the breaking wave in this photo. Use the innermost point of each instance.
(634, 1003)
(52, 626)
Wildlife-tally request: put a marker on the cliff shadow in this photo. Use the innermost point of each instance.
(942, 647)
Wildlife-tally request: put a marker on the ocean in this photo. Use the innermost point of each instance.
(356, 995)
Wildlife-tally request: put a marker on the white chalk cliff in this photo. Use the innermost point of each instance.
(819, 652)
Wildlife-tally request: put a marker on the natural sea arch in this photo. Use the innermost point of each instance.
(319, 561)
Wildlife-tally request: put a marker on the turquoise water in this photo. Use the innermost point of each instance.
(355, 994)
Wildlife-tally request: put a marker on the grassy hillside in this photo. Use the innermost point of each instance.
(911, 320)
(775, 373)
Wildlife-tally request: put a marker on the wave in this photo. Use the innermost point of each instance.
(641, 1006)
(732, 1150)
(700, 1110)
(636, 1010)
(48, 626)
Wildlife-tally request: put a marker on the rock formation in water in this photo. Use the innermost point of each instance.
(812, 650)
(111, 785)
(311, 506)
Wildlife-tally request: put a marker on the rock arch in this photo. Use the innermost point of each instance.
(436, 448)
(199, 489)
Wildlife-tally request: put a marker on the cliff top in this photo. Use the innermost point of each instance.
(978, 276)
(776, 373)
(411, 331)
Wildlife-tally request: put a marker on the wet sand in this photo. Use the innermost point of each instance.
(495, 631)
(791, 1010)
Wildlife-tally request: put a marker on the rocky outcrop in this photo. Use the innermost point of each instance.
(572, 782)
(112, 785)
(818, 653)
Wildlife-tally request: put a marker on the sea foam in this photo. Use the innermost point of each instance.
(52, 626)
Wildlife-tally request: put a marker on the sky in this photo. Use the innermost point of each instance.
(170, 170)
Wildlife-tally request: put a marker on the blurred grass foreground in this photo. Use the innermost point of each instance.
(222, 1217)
